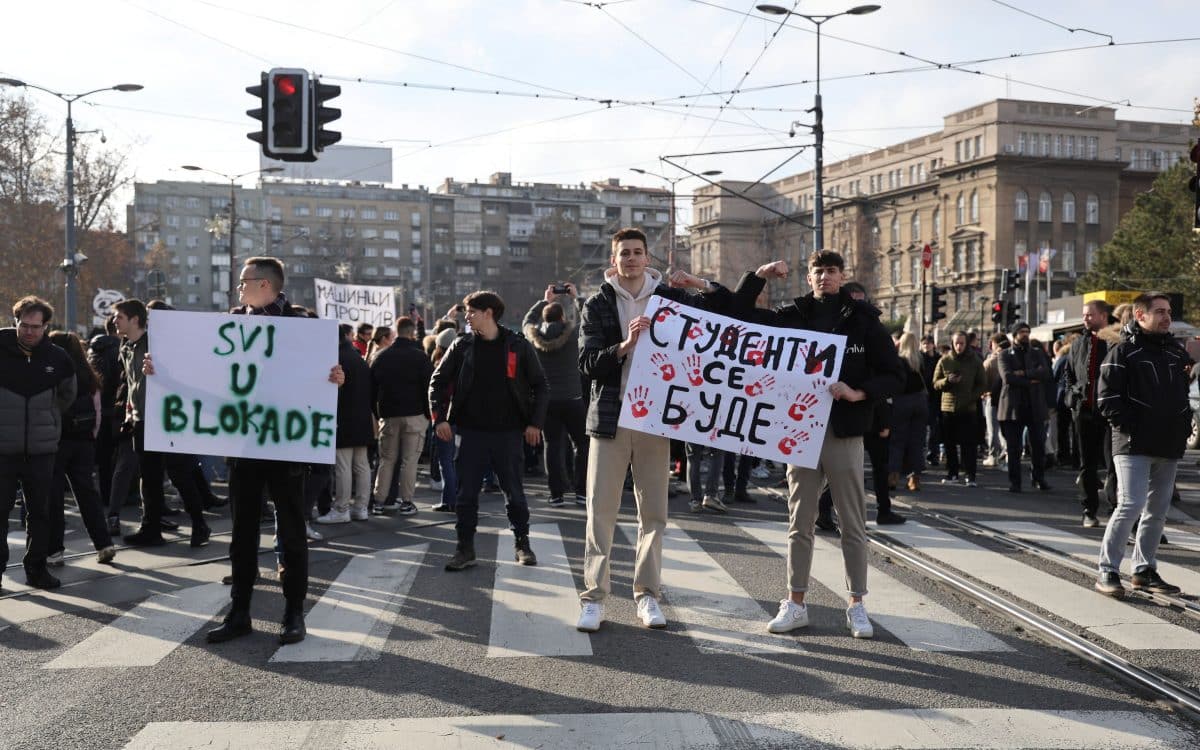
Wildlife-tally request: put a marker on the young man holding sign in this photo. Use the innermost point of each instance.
(612, 321)
(871, 371)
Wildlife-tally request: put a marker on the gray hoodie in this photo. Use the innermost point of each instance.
(629, 306)
(557, 347)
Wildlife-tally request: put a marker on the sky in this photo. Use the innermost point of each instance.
(588, 90)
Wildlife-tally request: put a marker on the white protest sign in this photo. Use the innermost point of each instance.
(354, 303)
(708, 379)
(250, 386)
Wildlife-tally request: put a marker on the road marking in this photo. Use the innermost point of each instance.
(534, 608)
(919, 623)
(1124, 625)
(353, 618)
(714, 609)
(146, 634)
(918, 729)
(1088, 550)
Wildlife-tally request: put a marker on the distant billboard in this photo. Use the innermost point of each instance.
(340, 163)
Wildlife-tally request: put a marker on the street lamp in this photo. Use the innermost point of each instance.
(70, 263)
(672, 181)
(818, 127)
(232, 216)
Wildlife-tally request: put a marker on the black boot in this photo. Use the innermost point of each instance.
(200, 535)
(41, 579)
(525, 555)
(236, 624)
(293, 625)
(464, 557)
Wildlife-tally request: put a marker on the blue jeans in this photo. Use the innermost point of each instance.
(703, 454)
(1144, 485)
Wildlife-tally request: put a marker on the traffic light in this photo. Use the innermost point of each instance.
(322, 115)
(1194, 186)
(288, 126)
(937, 300)
(998, 312)
(1012, 279)
(1012, 314)
(260, 113)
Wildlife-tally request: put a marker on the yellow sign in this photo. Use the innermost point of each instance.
(1111, 298)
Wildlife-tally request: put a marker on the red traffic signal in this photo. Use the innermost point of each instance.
(286, 85)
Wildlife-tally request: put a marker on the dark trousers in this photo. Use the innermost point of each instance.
(1095, 450)
(565, 420)
(503, 452)
(318, 481)
(125, 473)
(935, 427)
(736, 472)
(285, 483)
(75, 463)
(958, 433)
(106, 449)
(1068, 437)
(906, 453)
(34, 473)
(153, 467)
(1037, 447)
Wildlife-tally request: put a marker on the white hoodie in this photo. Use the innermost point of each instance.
(630, 306)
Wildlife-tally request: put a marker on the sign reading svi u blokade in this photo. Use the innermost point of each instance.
(250, 386)
(715, 381)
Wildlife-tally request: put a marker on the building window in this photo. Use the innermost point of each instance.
(370, 252)
(1090, 259)
(346, 213)
(1070, 147)
(1045, 144)
(1020, 143)
(960, 210)
(300, 209)
(391, 215)
(916, 268)
(978, 146)
(937, 223)
(1068, 255)
(391, 252)
(914, 226)
(369, 213)
(1068, 208)
(1020, 250)
(1021, 206)
(960, 257)
(325, 211)
(1093, 147)
(415, 219)
(958, 151)
(1058, 140)
(895, 230)
(1045, 207)
(1092, 210)
(974, 207)
(975, 256)
(895, 269)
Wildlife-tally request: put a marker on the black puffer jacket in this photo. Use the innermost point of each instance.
(35, 391)
(400, 381)
(870, 362)
(354, 427)
(1143, 393)
(557, 346)
(104, 356)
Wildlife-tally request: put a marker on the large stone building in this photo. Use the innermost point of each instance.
(1000, 181)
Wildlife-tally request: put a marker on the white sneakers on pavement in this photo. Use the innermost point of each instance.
(790, 617)
(591, 614)
(359, 514)
(335, 516)
(858, 622)
(714, 503)
(649, 613)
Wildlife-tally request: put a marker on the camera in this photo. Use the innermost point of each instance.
(561, 288)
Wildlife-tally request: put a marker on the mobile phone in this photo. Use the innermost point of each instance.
(561, 289)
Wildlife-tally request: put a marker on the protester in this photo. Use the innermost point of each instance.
(491, 387)
(929, 360)
(993, 437)
(104, 355)
(1024, 370)
(909, 418)
(399, 383)
(1081, 378)
(613, 319)
(362, 338)
(871, 371)
(381, 339)
(352, 474)
(1143, 393)
(75, 461)
(959, 378)
(443, 474)
(37, 386)
(705, 467)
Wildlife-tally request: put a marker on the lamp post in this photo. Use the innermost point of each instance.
(232, 216)
(818, 126)
(70, 266)
(671, 219)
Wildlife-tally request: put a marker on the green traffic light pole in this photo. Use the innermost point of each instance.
(70, 266)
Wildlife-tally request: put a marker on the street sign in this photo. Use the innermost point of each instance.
(926, 256)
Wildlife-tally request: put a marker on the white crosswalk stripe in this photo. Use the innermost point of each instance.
(916, 620)
(1124, 625)
(146, 634)
(715, 610)
(534, 607)
(354, 616)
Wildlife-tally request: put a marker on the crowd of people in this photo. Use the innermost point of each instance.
(489, 404)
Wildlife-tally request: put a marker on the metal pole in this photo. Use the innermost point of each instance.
(671, 239)
(69, 251)
(923, 313)
(232, 233)
(819, 134)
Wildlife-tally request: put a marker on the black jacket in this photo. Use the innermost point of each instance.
(600, 334)
(35, 391)
(354, 428)
(557, 347)
(1143, 393)
(455, 374)
(400, 381)
(1020, 397)
(870, 362)
(104, 356)
(1075, 371)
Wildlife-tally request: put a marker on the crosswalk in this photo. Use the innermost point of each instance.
(533, 609)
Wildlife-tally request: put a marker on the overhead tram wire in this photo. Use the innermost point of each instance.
(198, 32)
(736, 193)
(1052, 23)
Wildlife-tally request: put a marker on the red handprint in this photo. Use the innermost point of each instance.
(640, 406)
(791, 441)
(755, 356)
(665, 312)
(799, 408)
(759, 387)
(665, 368)
(692, 364)
(695, 332)
(730, 335)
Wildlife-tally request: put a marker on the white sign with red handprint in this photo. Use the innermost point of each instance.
(745, 388)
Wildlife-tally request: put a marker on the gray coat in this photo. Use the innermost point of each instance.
(557, 347)
(35, 392)
(1019, 395)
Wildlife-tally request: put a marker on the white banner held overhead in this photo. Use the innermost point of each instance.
(715, 381)
(249, 386)
(355, 303)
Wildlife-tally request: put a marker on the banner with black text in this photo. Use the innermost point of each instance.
(355, 303)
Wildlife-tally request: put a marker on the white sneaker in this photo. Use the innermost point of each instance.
(649, 613)
(359, 514)
(760, 472)
(590, 616)
(436, 485)
(335, 516)
(858, 622)
(312, 534)
(712, 502)
(990, 461)
(56, 559)
(790, 617)
(107, 554)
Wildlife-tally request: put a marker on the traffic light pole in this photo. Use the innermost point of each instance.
(924, 312)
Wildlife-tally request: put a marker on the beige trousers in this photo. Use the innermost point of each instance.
(607, 461)
(352, 471)
(841, 465)
(400, 441)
